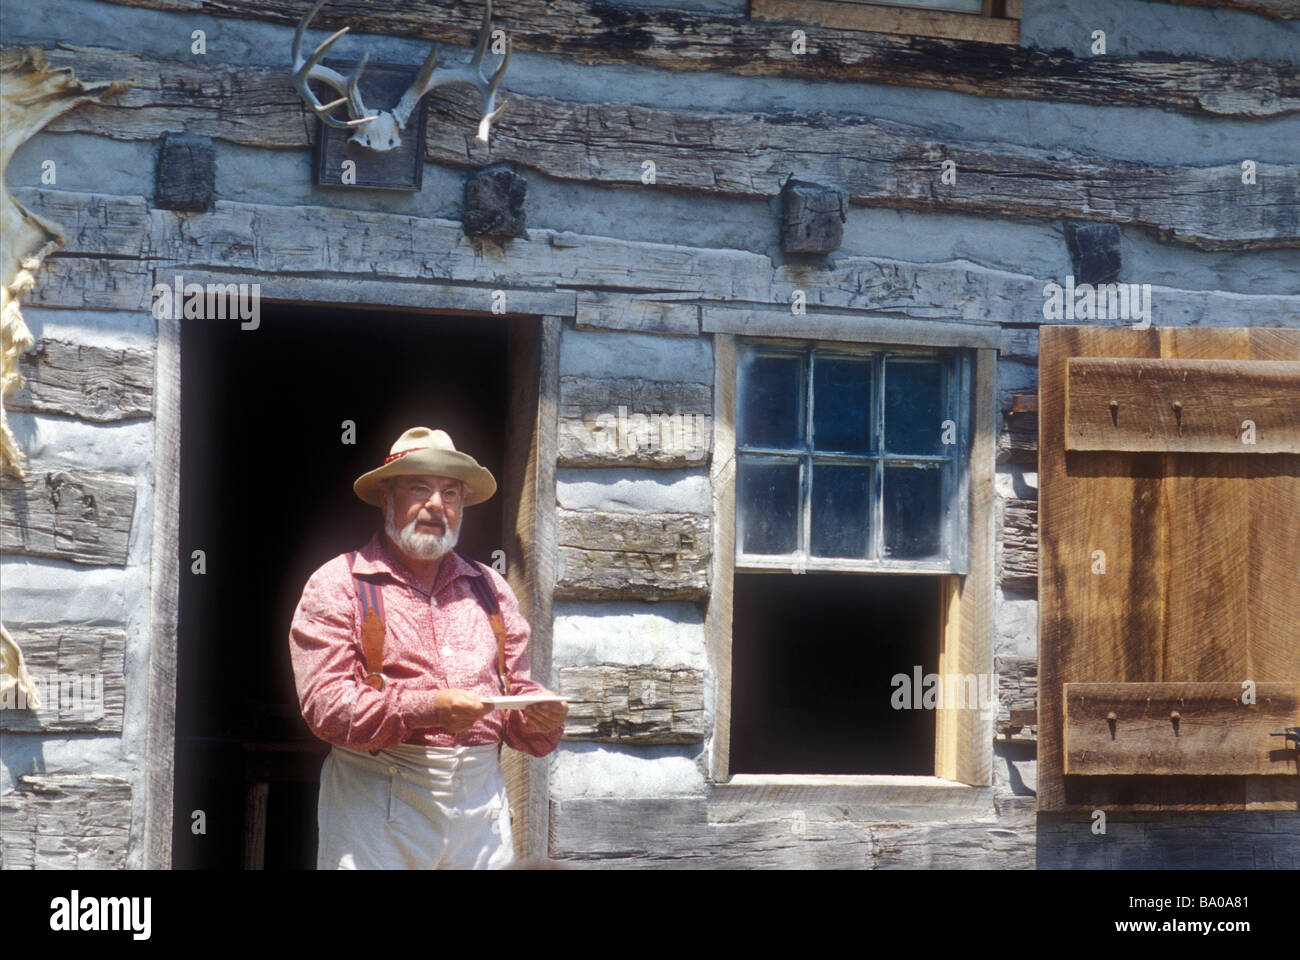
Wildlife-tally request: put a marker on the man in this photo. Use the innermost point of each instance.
(394, 647)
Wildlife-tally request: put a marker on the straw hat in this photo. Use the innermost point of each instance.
(424, 451)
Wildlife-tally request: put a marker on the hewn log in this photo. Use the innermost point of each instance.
(1017, 693)
(634, 422)
(1227, 840)
(877, 162)
(1277, 9)
(1020, 546)
(689, 833)
(654, 556)
(370, 246)
(65, 822)
(100, 384)
(93, 284)
(78, 672)
(1021, 343)
(645, 705)
(879, 18)
(665, 313)
(592, 31)
(67, 514)
(1018, 439)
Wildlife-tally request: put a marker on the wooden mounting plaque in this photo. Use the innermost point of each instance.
(1215, 732)
(1153, 405)
(402, 168)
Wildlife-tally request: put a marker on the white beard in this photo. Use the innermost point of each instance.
(423, 546)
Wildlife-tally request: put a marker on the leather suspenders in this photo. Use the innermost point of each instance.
(487, 599)
(373, 629)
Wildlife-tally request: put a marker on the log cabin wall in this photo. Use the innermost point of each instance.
(1147, 141)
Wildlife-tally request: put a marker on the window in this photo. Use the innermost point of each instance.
(838, 604)
(850, 459)
(987, 21)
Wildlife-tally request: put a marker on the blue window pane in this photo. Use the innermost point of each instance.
(913, 513)
(771, 402)
(841, 511)
(914, 408)
(842, 405)
(768, 501)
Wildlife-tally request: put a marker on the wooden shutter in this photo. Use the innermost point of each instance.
(1142, 466)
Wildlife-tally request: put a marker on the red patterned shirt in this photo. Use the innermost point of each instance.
(433, 641)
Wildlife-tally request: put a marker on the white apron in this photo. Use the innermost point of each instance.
(412, 807)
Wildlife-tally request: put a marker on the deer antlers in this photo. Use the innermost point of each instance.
(382, 131)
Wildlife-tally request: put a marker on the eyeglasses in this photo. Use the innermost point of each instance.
(450, 495)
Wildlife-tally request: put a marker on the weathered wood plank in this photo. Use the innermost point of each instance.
(1179, 729)
(638, 704)
(628, 421)
(592, 31)
(78, 672)
(369, 245)
(1161, 568)
(655, 556)
(528, 513)
(164, 601)
(65, 822)
(722, 571)
(880, 19)
(1182, 406)
(99, 384)
(450, 298)
(824, 326)
(603, 310)
(877, 162)
(74, 515)
(1019, 566)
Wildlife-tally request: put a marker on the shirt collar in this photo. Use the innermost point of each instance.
(375, 557)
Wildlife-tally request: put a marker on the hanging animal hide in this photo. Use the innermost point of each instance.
(31, 95)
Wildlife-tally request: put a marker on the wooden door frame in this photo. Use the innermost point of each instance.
(528, 515)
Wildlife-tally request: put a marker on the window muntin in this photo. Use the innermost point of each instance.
(851, 458)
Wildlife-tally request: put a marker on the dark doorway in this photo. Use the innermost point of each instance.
(812, 657)
(266, 494)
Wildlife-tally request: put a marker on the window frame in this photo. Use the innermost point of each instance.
(963, 751)
(998, 21)
(957, 364)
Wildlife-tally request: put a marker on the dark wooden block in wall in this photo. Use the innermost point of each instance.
(494, 203)
(1094, 251)
(186, 173)
(812, 217)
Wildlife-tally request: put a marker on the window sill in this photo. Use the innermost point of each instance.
(875, 797)
(755, 564)
(1004, 27)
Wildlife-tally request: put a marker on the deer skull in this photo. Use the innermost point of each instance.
(382, 131)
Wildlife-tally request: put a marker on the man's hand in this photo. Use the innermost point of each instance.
(458, 710)
(545, 717)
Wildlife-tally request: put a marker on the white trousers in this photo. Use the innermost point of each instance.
(412, 807)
